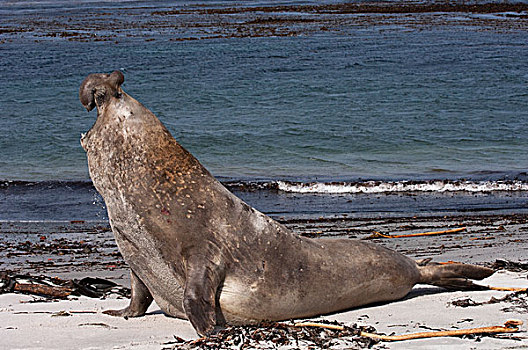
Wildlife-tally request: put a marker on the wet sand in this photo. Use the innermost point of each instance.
(75, 248)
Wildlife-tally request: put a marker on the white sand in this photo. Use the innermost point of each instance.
(33, 326)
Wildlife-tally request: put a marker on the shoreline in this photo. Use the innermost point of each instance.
(79, 249)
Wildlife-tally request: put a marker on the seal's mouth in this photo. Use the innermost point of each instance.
(83, 140)
(85, 137)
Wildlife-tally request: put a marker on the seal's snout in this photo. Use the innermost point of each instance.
(98, 87)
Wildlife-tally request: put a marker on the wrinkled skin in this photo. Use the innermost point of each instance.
(199, 251)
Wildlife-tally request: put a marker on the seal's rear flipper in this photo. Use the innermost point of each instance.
(454, 276)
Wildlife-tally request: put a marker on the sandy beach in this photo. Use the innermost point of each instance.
(79, 322)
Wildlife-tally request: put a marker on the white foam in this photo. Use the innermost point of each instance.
(403, 186)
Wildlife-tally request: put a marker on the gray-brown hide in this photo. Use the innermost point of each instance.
(203, 254)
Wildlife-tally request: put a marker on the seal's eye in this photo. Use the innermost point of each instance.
(100, 96)
(118, 94)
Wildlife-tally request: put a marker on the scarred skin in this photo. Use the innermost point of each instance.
(203, 254)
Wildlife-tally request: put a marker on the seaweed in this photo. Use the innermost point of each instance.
(272, 335)
(55, 288)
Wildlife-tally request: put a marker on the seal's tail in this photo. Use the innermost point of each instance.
(453, 276)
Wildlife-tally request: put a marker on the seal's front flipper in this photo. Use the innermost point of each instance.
(140, 299)
(202, 281)
(454, 276)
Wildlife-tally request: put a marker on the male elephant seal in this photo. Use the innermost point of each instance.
(203, 254)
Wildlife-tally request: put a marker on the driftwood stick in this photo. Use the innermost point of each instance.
(510, 326)
(509, 289)
(448, 262)
(431, 233)
(320, 325)
(49, 291)
(457, 332)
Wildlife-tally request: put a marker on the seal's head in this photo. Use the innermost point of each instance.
(98, 88)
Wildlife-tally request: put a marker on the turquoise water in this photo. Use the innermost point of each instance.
(384, 103)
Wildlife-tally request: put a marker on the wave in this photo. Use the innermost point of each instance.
(45, 184)
(335, 187)
(402, 186)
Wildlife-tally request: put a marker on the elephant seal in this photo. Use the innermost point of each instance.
(203, 254)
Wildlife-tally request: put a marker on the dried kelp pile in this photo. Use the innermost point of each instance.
(55, 288)
(273, 335)
(518, 301)
(513, 266)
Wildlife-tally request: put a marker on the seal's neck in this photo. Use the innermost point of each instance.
(117, 119)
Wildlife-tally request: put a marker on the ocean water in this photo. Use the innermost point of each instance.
(348, 116)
